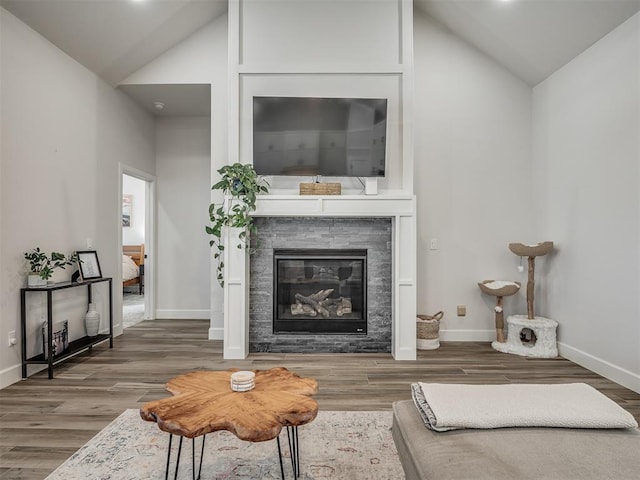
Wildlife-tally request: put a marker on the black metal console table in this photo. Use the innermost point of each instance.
(75, 346)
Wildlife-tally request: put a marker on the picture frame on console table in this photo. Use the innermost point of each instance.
(89, 265)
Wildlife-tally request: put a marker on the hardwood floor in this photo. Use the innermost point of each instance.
(42, 422)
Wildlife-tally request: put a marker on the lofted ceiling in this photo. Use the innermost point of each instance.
(115, 38)
(531, 38)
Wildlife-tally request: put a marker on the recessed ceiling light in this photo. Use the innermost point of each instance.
(158, 105)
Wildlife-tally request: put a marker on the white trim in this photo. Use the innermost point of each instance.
(608, 370)
(315, 69)
(184, 314)
(405, 353)
(150, 242)
(10, 375)
(216, 333)
(406, 31)
(382, 205)
(467, 335)
(234, 353)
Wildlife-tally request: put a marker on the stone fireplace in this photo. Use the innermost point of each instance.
(347, 259)
(382, 225)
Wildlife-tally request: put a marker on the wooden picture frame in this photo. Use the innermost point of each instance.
(89, 265)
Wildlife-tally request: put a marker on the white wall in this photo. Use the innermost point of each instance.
(586, 155)
(183, 162)
(472, 179)
(134, 234)
(472, 160)
(64, 132)
(201, 58)
(317, 32)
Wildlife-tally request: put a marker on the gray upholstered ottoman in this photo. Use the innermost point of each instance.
(513, 453)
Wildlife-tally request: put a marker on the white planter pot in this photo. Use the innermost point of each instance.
(35, 280)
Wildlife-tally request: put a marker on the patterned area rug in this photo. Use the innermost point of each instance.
(336, 445)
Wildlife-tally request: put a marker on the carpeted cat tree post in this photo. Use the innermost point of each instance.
(499, 289)
(529, 335)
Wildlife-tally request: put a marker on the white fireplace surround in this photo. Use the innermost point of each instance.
(400, 208)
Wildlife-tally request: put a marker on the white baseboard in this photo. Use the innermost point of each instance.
(10, 375)
(467, 335)
(216, 333)
(608, 370)
(183, 314)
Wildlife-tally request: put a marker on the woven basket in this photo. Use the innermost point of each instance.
(320, 189)
(428, 329)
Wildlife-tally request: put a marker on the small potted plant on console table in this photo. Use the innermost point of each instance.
(41, 265)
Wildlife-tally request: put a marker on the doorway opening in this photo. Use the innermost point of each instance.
(135, 249)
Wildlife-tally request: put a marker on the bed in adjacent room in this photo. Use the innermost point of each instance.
(133, 266)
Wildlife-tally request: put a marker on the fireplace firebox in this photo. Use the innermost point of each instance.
(320, 291)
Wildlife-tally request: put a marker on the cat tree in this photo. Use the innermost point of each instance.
(499, 289)
(530, 335)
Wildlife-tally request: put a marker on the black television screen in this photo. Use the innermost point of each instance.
(334, 137)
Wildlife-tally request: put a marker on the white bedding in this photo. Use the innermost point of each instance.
(576, 405)
(129, 268)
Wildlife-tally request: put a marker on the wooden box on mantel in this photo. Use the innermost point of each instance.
(320, 189)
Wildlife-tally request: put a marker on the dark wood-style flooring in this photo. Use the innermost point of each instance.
(42, 422)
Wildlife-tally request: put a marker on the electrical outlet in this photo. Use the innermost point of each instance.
(462, 310)
(434, 244)
(12, 338)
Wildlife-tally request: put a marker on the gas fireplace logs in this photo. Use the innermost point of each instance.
(319, 303)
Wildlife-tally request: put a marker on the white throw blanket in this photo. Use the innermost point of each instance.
(129, 268)
(576, 405)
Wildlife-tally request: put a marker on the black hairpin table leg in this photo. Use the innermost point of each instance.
(280, 457)
(166, 470)
(193, 458)
(178, 459)
(292, 435)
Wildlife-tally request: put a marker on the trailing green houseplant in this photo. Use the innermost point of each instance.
(240, 185)
(43, 265)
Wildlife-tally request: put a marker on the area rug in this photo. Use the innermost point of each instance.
(132, 309)
(336, 445)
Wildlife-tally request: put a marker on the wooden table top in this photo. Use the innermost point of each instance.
(203, 402)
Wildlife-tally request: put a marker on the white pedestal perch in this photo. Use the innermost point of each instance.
(542, 345)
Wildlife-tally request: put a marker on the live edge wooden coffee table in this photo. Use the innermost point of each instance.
(203, 402)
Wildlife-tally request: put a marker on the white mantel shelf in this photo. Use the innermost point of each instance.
(400, 208)
(335, 205)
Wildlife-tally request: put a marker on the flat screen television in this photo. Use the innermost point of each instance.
(332, 137)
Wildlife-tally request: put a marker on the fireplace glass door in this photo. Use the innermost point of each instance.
(320, 291)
